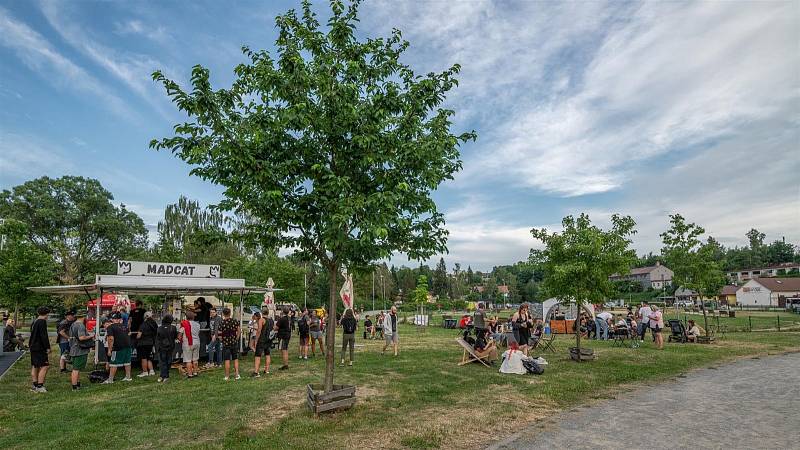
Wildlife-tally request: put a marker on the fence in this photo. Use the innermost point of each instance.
(744, 323)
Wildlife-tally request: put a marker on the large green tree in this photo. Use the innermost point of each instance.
(22, 265)
(331, 146)
(191, 233)
(578, 261)
(692, 262)
(440, 284)
(74, 220)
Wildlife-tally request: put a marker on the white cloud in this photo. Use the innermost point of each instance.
(134, 70)
(26, 157)
(40, 56)
(157, 34)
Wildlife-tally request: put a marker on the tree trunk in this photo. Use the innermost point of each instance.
(577, 334)
(705, 317)
(16, 314)
(330, 331)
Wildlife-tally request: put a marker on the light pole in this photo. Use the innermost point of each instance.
(383, 284)
(373, 289)
(305, 286)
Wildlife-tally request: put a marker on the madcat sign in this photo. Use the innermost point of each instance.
(160, 269)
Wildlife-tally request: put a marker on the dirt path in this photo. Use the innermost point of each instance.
(748, 404)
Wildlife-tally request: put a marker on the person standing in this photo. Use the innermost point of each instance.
(263, 344)
(137, 317)
(302, 329)
(349, 325)
(644, 319)
(601, 322)
(189, 335)
(145, 340)
(390, 331)
(479, 321)
(214, 346)
(656, 325)
(229, 336)
(166, 338)
(62, 339)
(522, 323)
(284, 329)
(39, 346)
(315, 328)
(80, 343)
(369, 330)
(119, 348)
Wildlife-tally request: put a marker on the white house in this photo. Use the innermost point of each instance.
(656, 277)
(768, 292)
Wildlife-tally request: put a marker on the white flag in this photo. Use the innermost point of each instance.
(347, 290)
(269, 296)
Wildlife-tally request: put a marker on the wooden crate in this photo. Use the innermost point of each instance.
(341, 397)
(587, 354)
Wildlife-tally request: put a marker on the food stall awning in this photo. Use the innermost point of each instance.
(154, 286)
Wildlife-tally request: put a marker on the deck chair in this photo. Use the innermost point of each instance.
(470, 355)
(678, 331)
(546, 342)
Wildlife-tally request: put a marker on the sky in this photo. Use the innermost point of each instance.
(641, 109)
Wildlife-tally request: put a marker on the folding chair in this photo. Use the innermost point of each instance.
(470, 355)
(546, 343)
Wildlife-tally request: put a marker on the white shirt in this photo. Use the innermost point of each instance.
(512, 362)
(644, 314)
(605, 315)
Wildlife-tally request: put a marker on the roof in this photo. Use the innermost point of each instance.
(773, 266)
(503, 289)
(729, 289)
(682, 291)
(153, 285)
(639, 271)
(779, 284)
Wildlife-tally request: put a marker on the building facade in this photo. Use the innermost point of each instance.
(768, 292)
(656, 277)
(741, 276)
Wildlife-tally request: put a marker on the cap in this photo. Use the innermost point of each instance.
(81, 313)
(71, 312)
(116, 316)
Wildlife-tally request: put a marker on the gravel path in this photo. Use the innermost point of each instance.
(748, 404)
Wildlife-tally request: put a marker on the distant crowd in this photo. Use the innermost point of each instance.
(160, 344)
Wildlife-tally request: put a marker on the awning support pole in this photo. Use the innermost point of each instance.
(241, 315)
(97, 328)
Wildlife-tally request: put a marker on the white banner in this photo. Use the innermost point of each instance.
(160, 269)
(347, 290)
(269, 296)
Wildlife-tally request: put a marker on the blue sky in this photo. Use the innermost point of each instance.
(639, 108)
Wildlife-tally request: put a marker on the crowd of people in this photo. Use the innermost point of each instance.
(158, 345)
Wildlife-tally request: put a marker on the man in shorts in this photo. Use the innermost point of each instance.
(39, 347)
(79, 346)
(228, 332)
(284, 328)
(390, 330)
(263, 343)
(62, 339)
(118, 344)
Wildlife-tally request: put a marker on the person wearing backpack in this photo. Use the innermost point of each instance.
(166, 337)
(145, 340)
(263, 345)
(349, 325)
(80, 343)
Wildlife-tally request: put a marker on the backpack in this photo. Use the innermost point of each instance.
(302, 325)
(165, 340)
(98, 376)
(349, 326)
(531, 366)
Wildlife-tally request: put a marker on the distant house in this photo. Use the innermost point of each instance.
(727, 295)
(656, 277)
(501, 289)
(683, 294)
(743, 275)
(768, 292)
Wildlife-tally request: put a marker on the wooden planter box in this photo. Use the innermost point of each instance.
(341, 397)
(705, 339)
(587, 354)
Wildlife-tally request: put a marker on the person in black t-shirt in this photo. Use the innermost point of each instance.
(62, 339)
(39, 347)
(369, 330)
(284, 328)
(119, 349)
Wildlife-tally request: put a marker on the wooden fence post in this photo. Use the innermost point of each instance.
(750, 322)
(779, 323)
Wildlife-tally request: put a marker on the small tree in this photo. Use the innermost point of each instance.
(691, 261)
(332, 147)
(421, 293)
(578, 262)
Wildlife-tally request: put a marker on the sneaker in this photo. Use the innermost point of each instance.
(41, 390)
(143, 374)
(76, 388)
(159, 380)
(64, 370)
(152, 373)
(238, 377)
(341, 363)
(255, 375)
(266, 372)
(108, 381)
(350, 363)
(226, 379)
(127, 379)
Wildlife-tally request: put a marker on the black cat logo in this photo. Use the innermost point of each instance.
(124, 267)
(213, 271)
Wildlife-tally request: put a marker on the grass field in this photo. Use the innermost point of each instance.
(420, 399)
